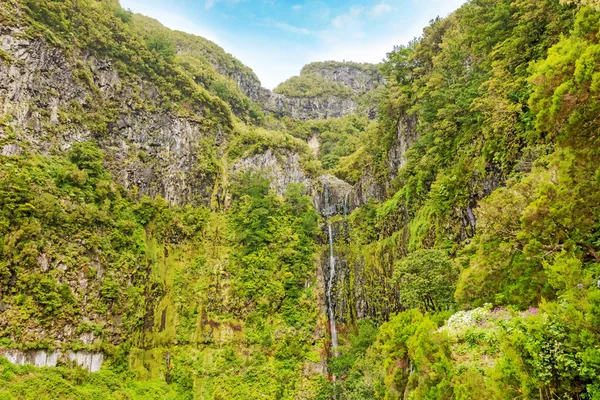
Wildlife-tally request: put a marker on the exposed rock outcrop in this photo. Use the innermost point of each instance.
(42, 94)
(331, 196)
(281, 169)
(305, 108)
(367, 188)
(42, 358)
(360, 78)
(406, 135)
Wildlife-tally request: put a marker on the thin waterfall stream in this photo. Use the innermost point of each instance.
(334, 337)
(330, 309)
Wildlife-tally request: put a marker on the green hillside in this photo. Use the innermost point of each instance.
(152, 212)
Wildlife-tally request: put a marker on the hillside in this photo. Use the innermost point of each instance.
(124, 246)
(427, 228)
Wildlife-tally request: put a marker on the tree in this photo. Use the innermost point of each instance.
(162, 45)
(426, 279)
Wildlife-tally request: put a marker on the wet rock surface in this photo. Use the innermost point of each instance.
(89, 361)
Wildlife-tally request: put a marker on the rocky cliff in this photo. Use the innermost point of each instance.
(326, 90)
(51, 99)
(306, 108)
(157, 229)
(360, 78)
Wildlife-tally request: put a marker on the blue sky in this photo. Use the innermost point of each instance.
(276, 38)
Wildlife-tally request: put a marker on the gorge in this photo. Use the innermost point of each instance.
(424, 228)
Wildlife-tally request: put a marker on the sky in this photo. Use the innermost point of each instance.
(277, 37)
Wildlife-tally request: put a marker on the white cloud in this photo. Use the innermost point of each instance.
(353, 44)
(272, 63)
(297, 7)
(347, 37)
(380, 10)
(290, 28)
(211, 3)
(357, 48)
(349, 18)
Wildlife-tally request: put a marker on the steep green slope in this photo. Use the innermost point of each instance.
(466, 251)
(171, 295)
(87, 266)
(500, 185)
(208, 65)
(337, 137)
(28, 382)
(104, 29)
(197, 46)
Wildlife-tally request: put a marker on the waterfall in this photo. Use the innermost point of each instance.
(332, 326)
(334, 338)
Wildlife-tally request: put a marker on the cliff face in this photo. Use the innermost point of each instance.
(157, 151)
(45, 92)
(52, 98)
(360, 78)
(281, 169)
(309, 101)
(161, 290)
(268, 247)
(406, 136)
(305, 108)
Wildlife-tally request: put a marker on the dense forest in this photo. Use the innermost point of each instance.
(440, 241)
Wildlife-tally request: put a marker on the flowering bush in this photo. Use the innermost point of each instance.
(463, 320)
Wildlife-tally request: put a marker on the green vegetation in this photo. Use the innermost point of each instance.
(151, 281)
(28, 382)
(311, 83)
(317, 80)
(205, 63)
(497, 199)
(314, 67)
(253, 141)
(65, 219)
(312, 86)
(5, 57)
(200, 48)
(191, 72)
(427, 280)
(104, 29)
(339, 137)
(480, 354)
(471, 273)
(592, 3)
(174, 296)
